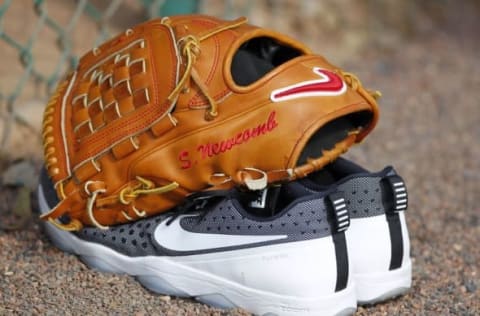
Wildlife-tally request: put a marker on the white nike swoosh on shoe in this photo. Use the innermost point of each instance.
(174, 237)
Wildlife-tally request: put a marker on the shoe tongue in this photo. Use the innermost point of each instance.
(272, 200)
(265, 202)
(260, 201)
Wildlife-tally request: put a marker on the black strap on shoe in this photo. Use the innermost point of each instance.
(395, 200)
(339, 219)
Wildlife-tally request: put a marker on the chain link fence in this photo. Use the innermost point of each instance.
(41, 40)
(32, 30)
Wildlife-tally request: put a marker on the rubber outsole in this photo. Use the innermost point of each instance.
(390, 295)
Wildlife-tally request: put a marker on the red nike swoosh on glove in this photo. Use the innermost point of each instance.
(330, 84)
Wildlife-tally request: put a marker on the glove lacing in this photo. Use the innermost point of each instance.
(352, 80)
(190, 48)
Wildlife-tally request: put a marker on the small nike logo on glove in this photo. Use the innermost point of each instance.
(330, 84)
(175, 237)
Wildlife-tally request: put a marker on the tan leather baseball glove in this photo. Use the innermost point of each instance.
(191, 103)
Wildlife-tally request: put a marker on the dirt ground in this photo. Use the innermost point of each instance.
(429, 130)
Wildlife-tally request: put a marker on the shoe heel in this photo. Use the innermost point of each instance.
(378, 287)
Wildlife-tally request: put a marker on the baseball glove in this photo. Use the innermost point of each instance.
(192, 103)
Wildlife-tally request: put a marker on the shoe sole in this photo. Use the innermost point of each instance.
(164, 276)
(378, 287)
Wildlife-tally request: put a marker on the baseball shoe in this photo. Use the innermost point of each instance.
(377, 239)
(224, 249)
